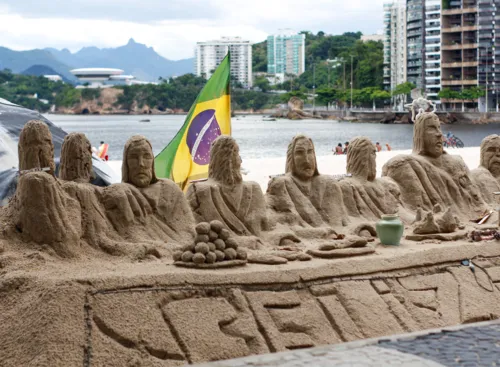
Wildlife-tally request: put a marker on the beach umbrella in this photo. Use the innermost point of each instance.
(12, 119)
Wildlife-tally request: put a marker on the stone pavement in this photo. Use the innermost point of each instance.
(460, 346)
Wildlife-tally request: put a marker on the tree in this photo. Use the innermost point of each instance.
(380, 95)
(326, 96)
(402, 91)
(449, 94)
(263, 83)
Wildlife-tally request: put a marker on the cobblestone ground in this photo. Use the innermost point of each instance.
(473, 346)
(468, 346)
(328, 357)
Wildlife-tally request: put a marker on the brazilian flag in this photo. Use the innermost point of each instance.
(187, 156)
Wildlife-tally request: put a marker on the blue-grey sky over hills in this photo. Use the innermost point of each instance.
(172, 27)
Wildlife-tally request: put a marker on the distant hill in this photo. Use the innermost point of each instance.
(40, 70)
(19, 61)
(134, 58)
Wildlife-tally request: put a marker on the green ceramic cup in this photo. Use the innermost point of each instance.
(390, 230)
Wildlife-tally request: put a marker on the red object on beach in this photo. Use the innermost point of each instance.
(103, 151)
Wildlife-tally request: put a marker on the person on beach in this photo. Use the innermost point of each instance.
(338, 149)
(378, 146)
(388, 147)
(346, 147)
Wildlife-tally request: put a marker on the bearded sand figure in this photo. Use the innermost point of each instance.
(302, 198)
(365, 196)
(487, 175)
(239, 205)
(41, 210)
(430, 176)
(143, 206)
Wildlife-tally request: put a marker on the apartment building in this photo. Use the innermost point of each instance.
(208, 55)
(415, 42)
(433, 49)
(286, 53)
(394, 44)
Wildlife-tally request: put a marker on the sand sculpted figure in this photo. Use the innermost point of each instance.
(302, 198)
(364, 196)
(225, 197)
(487, 175)
(41, 210)
(430, 176)
(144, 207)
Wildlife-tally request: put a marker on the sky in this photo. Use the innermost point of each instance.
(172, 27)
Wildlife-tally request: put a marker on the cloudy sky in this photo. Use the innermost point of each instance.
(173, 27)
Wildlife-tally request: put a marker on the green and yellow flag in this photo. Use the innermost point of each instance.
(187, 156)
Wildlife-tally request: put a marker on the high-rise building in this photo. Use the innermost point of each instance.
(286, 53)
(415, 42)
(488, 72)
(459, 55)
(208, 55)
(394, 44)
(433, 49)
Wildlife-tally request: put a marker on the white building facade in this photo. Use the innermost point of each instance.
(433, 49)
(395, 54)
(208, 55)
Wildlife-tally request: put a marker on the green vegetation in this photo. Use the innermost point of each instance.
(465, 95)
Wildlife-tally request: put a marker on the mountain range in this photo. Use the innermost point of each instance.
(134, 58)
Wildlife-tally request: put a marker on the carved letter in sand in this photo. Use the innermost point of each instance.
(289, 322)
(199, 322)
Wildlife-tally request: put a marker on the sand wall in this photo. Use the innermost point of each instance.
(154, 314)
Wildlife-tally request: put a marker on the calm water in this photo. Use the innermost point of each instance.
(257, 138)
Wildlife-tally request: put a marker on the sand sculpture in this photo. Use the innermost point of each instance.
(366, 197)
(238, 204)
(310, 204)
(430, 176)
(487, 175)
(117, 311)
(213, 247)
(143, 206)
(302, 198)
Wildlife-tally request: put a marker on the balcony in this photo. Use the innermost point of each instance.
(458, 29)
(459, 11)
(464, 46)
(449, 82)
(459, 64)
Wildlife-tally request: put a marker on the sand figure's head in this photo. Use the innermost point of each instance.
(301, 158)
(76, 159)
(35, 148)
(427, 135)
(138, 167)
(361, 158)
(490, 154)
(225, 161)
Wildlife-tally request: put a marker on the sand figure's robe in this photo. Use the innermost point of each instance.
(487, 184)
(425, 182)
(241, 207)
(43, 212)
(317, 203)
(370, 199)
(158, 212)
